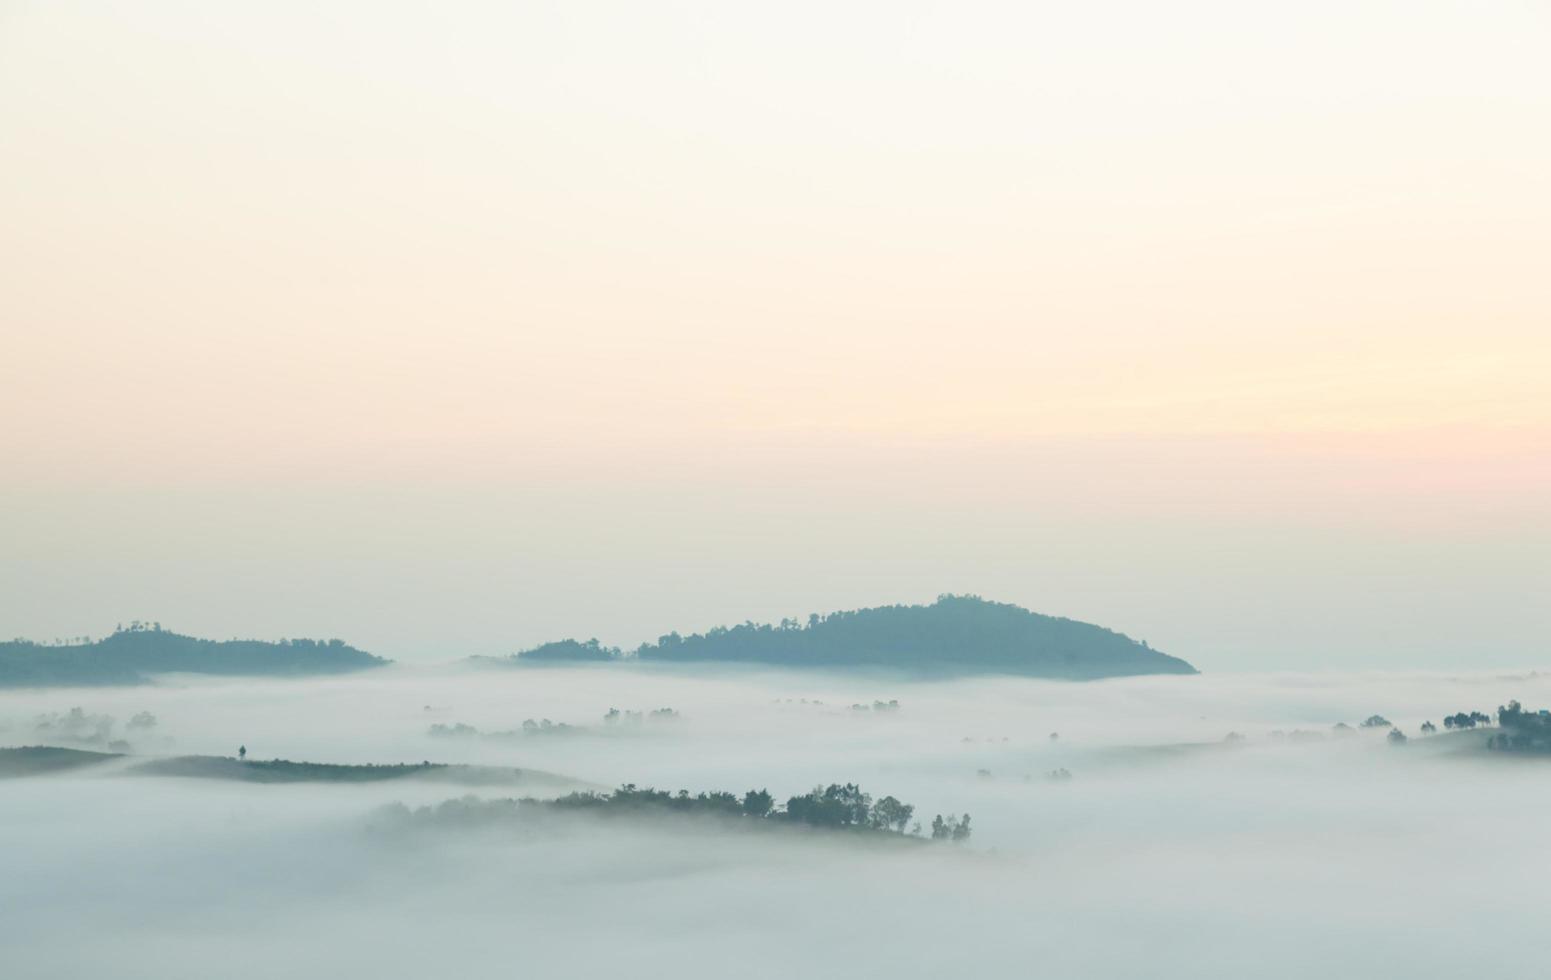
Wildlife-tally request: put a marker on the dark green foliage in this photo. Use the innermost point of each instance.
(758, 803)
(568, 651)
(953, 828)
(831, 806)
(530, 726)
(543, 726)
(1462, 720)
(889, 705)
(1376, 721)
(890, 814)
(961, 829)
(837, 807)
(129, 655)
(1522, 731)
(954, 634)
(1396, 737)
(616, 717)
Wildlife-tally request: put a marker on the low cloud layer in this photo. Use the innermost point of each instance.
(1168, 852)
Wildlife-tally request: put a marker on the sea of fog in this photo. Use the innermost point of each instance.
(1169, 852)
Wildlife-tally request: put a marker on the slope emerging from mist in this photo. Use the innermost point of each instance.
(955, 634)
(128, 656)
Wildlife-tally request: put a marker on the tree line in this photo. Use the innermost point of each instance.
(838, 806)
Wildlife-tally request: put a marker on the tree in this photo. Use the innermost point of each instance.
(891, 813)
(835, 805)
(242, 752)
(954, 828)
(1396, 737)
(758, 803)
(961, 832)
(1428, 728)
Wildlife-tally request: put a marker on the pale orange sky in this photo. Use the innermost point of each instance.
(1102, 310)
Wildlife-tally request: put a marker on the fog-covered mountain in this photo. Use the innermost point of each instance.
(955, 634)
(129, 655)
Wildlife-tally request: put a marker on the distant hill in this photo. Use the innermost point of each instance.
(955, 634)
(129, 655)
(568, 651)
(286, 771)
(36, 760)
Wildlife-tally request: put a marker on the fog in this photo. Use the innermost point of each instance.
(1169, 851)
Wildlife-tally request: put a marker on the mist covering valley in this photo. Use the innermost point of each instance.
(543, 428)
(1118, 829)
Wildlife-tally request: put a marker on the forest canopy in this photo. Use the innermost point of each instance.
(955, 634)
(132, 653)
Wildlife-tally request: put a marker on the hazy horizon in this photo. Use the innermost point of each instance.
(452, 333)
(1290, 852)
(453, 330)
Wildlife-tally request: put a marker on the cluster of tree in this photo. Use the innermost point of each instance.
(1521, 730)
(80, 727)
(1462, 720)
(568, 651)
(843, 807)
(456, 730)
(543, 726)
(76, 725)
(954, 828)
(1376, 721)
(889, 705)
(955, 634)
(130, 655)
(616, 717)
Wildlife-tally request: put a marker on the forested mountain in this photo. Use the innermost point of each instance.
(568, 651)
(129, 655)
(955, 634)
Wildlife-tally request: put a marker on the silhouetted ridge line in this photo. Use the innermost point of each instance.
(955, 634)
(129, 655)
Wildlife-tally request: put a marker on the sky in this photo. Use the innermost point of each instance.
(452, 331)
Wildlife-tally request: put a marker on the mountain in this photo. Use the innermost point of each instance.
(568, 651)
(954, 635)
(129, 655)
